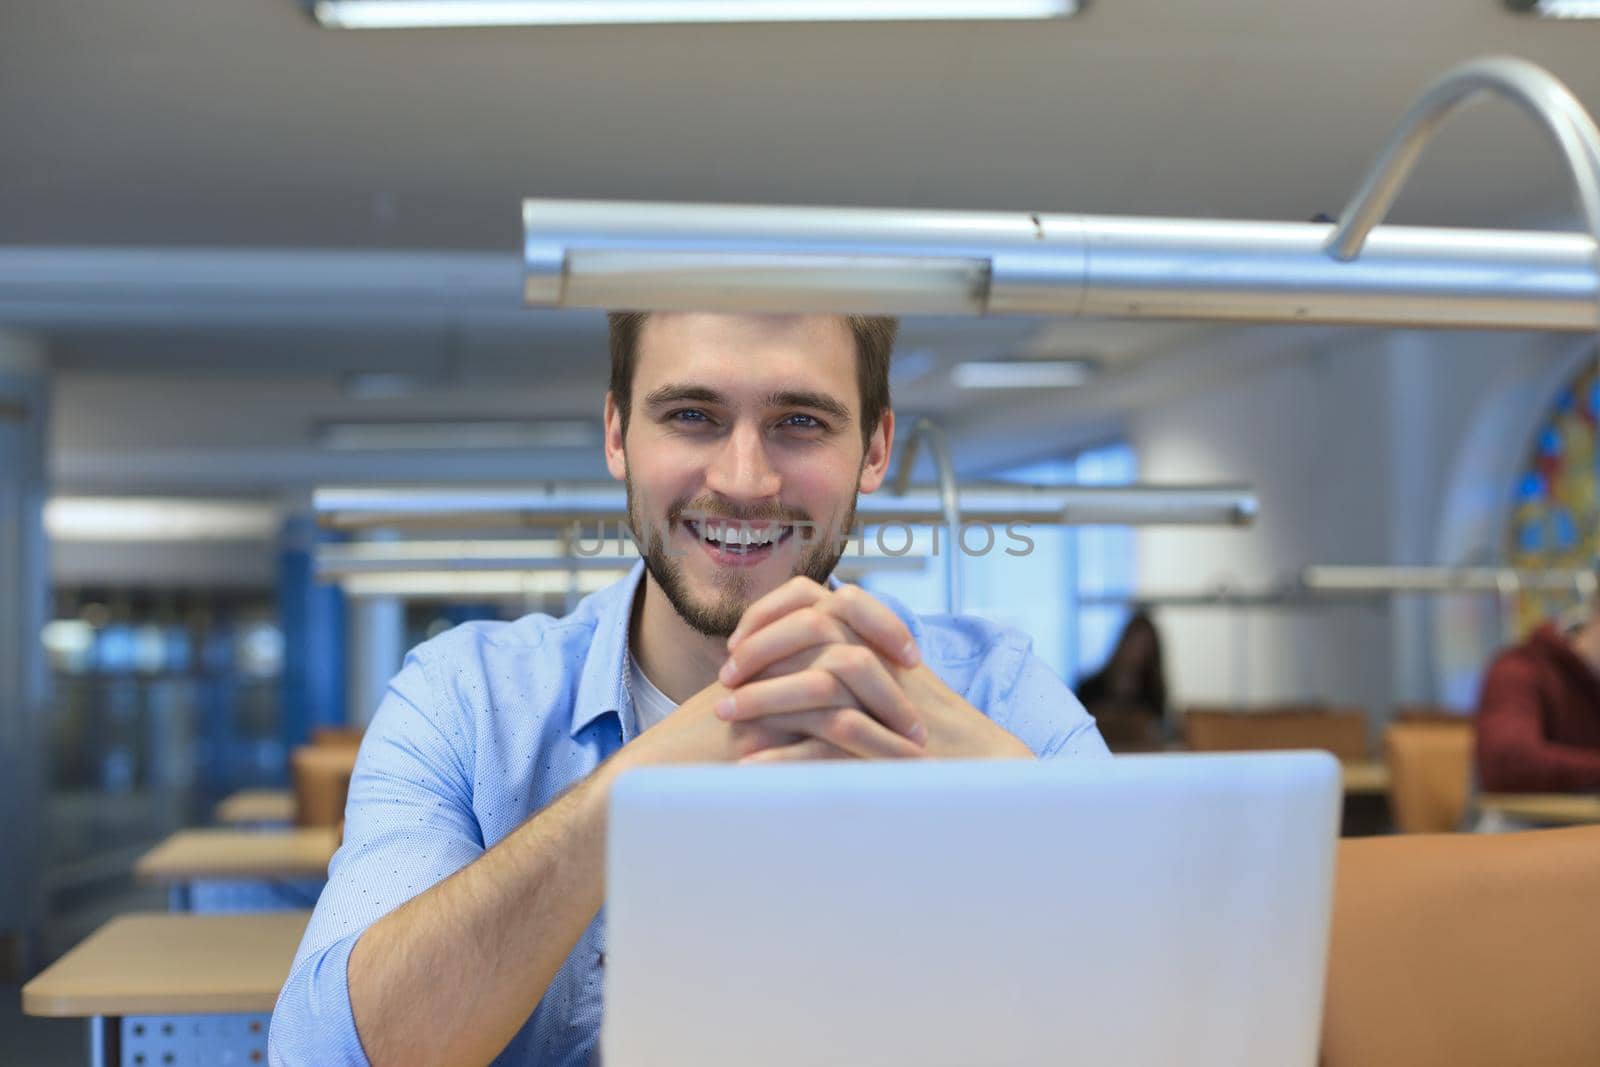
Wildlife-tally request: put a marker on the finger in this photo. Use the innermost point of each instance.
(809, 749)
(798, 592)
(849, 730)
(872, 620)
(792, 633)
(802, 690)
(838, 676)
(876, 690)
(748, 738)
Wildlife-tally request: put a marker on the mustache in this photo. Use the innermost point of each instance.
(701, 510)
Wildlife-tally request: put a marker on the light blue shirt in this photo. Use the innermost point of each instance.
(488, 723)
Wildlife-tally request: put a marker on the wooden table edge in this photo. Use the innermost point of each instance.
(60, 1006)
(249, 806)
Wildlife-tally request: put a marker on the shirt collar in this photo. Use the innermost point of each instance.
(603, 685)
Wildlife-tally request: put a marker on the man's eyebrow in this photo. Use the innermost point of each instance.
(815, 401)
(678, 394)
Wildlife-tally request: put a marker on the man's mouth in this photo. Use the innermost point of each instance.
(728, 541)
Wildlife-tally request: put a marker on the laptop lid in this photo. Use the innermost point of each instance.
(1141, 911)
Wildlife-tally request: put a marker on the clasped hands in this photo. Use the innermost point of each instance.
(818, 673)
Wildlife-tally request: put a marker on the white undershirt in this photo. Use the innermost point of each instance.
(650, 705)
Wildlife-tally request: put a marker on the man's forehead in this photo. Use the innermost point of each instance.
(812, 354)
(689, 331)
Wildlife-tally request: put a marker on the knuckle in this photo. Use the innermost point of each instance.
(816, 624)
(849, 726)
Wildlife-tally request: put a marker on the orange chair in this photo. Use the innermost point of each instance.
(1465, 950)
(1430, 773)
(321, 775)
(337, 735)
(1429, 713)
(1342, 731)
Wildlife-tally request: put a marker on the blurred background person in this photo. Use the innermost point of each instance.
(1539, 712)
(1128, 695)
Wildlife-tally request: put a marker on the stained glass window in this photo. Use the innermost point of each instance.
(1555, 520)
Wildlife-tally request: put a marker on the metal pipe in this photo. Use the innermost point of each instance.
(342, 559)
(924, 429)
(557, 505)
(333, 561)
(1535, 90)
(656, 256)
(541, 580)
(1499, 580)
(1287, 598)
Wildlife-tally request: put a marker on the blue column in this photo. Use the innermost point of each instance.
(24, 594)
(313, 620)
(377, 645)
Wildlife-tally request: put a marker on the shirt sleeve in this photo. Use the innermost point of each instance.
(409, 824)
(1035, 705)
(1513, 754)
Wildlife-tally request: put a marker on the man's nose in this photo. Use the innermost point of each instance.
(742, 470)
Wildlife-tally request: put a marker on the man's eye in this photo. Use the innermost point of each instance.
(804, 422)
(688, 415)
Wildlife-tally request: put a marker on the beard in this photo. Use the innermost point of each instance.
(731, 597)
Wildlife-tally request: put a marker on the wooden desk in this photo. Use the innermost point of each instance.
(199, 988)
(257, 806)
(1565, 809)
(156, 964)
(240, 854)
(190, 856)
(1365, 777)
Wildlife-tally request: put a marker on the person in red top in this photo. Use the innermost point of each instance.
(1539, 714)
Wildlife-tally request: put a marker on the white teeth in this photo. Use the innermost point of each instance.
(741, 537)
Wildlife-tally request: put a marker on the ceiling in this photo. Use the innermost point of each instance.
(240, 124)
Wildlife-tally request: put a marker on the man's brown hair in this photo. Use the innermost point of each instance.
(874, 336)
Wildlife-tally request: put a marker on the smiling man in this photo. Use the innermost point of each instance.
(461, 918)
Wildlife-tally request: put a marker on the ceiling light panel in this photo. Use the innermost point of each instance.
(1021, 374)
(1557, 9)
(418, 14)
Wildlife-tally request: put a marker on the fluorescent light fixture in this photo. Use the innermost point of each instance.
(1557, 9)
(415, 14)
(1022, 374)
(613, 552)
(680, 280)
(119, 519)
(407, 434)
(454, 584)
(744, 257)
(1414, 579)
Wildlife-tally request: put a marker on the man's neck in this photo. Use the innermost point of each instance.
(678, 659)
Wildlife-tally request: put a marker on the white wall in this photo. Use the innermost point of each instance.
(1353, 443)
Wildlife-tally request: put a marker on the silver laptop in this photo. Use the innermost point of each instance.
(1147, 910)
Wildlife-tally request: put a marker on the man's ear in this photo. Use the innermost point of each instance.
(616, 458)
(880, 446)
